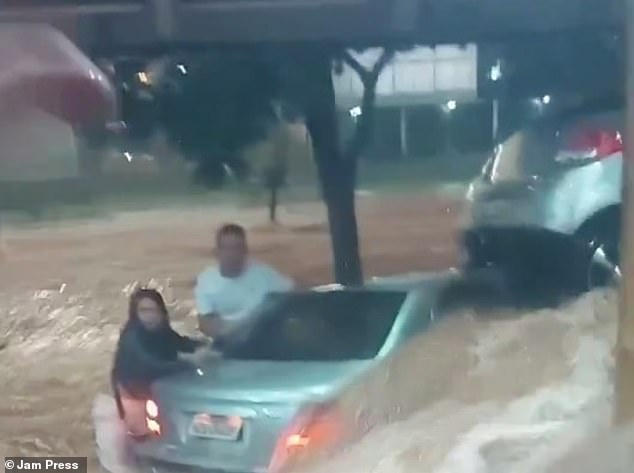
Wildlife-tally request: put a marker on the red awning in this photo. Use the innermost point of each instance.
(40, 67)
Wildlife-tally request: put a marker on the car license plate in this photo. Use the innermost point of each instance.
(216, 427)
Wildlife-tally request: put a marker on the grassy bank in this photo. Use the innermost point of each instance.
(24, 203)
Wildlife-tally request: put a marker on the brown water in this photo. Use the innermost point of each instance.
(487, 393)
(64, 291)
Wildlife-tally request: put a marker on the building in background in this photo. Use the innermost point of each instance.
(419, 76)
(416, 95)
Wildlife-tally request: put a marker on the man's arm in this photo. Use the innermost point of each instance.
(204, 303)
(272, 281)
(209, 324)
(214, 324)
(205, 308)
(185, 344)
(278, 282)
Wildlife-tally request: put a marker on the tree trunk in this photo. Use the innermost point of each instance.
(337, 177)
(2, 242)
(344, 236)
(273, 204)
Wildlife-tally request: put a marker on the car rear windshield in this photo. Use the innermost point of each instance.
(329, 326)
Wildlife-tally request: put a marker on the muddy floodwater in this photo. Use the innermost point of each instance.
(64, 289)
(490, 392)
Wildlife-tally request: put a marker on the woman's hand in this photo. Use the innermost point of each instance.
(202, 342)
(211, 325)
(201, 355)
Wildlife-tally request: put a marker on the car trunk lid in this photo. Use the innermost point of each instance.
(231, 414)
(261, 381)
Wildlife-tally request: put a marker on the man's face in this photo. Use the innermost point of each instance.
(231, 252)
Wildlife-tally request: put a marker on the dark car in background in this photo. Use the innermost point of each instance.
(546, 207)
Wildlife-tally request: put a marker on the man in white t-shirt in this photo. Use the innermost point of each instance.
(226, 294)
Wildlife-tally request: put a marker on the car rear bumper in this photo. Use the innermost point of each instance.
(156, 466)
(545, 257)
(158, 457)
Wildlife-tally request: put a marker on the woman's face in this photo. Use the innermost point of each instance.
(150, 314)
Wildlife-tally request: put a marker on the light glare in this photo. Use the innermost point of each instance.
(495, 74)
(143, 78)
(355, 112)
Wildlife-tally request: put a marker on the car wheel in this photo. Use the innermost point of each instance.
(603, 268)
(472, 256)
(530, 288)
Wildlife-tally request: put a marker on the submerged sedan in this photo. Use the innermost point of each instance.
(268, 400)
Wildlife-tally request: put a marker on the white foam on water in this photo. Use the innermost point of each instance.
(537, 384)
(110, 437)
(492, 395)
(519, 438)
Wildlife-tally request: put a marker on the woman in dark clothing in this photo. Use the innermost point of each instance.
(148, 348)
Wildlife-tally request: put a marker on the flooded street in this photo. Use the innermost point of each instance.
(65, 286)
(479, 394)
(491, 394)
(483, 145)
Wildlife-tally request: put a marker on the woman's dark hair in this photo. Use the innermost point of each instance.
(134, 323)
(146, 293)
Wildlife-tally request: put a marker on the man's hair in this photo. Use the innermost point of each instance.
(231, 229)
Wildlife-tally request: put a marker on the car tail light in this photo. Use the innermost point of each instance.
(591, 145)
(313, 432)
(151, 409)
(151, 417)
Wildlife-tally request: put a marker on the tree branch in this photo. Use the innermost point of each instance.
(365, 122)
(368, 75)
(386, 56)
(355, 65)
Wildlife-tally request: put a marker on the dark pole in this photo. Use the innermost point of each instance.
(624, 412)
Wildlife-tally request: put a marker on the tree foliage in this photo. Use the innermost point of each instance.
(216, 105)
(587, 63)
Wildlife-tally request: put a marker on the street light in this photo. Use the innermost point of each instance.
(355, 112)
(542, 101)
(451, 105)
(495, 74)
(144, 78)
